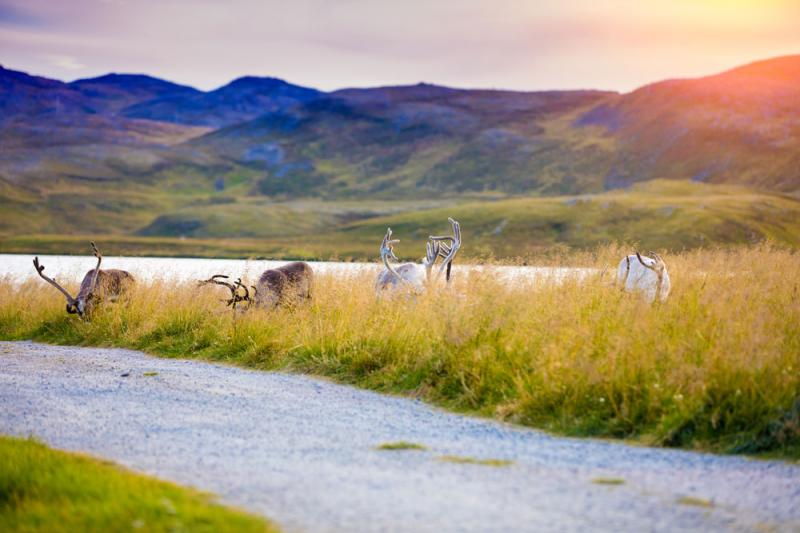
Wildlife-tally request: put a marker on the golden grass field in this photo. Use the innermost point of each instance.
(716, 367)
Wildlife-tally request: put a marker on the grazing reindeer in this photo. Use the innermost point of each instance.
(97, 286)
(284, 285)
(411, 275)
(234, 287)
(647, 275)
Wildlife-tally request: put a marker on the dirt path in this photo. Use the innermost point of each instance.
(302, 451)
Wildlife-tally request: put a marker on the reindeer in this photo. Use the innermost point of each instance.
(97, 286)
(417, 277)
(647, 275)
(285, 285)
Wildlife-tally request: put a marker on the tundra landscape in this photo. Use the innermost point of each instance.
(264, 168)
(440, 308)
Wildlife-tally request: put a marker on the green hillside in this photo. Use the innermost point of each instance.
(660, 215)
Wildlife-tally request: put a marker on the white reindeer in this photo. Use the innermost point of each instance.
(646, 275)
(413, 276)
(408, 275)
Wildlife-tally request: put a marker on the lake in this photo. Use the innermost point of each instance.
(19, 267)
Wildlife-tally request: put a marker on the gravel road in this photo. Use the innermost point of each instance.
(303, 452)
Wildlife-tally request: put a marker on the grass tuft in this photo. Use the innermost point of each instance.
(460, 459)
(608, 481)
(697, 502)
(401, 445)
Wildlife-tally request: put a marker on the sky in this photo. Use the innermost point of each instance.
(330, 44)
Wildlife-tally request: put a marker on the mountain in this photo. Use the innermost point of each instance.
(135, 155)
(34, 97)
(243, 99)
(38, 113)
(114, 92)
(741, 126)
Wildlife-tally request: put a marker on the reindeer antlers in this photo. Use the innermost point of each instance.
(432, 250)
(233, 287)
(97, 268)
(387, 245)
(40, 270)
(213, 279)
(654, 256)
(448, 251)
(239, 284)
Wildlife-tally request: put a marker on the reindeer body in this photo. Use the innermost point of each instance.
(646, 275)
(284, 285)
(111, 284)
(409, 275)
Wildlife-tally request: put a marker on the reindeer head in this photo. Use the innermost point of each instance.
(387, 246)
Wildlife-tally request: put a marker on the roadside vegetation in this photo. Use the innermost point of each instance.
(48, 490)
(716, 367)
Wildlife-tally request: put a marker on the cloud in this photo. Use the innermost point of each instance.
(64, 62)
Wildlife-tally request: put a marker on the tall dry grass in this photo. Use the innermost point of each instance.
(716, 367)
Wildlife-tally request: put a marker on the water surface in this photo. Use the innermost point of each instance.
(62, 267)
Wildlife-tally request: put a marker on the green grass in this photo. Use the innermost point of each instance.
(608, 481)
(696, 502)
(52, 491)
(401, 445)
(669, 215)
(713, 368)
(666, 215)
(460, 459)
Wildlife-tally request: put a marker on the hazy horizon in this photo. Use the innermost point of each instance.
(513, 45)
(243, 75)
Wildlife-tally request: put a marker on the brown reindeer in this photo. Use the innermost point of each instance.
(97, 286)
(285, 285)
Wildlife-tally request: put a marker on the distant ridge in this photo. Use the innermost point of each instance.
(242, 99)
